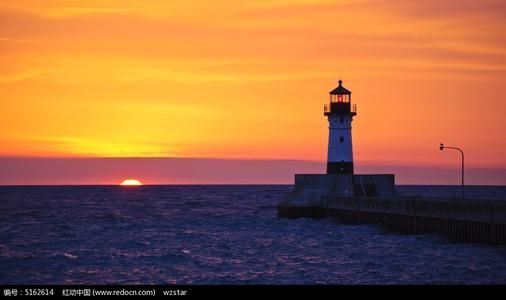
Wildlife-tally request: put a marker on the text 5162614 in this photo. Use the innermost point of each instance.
(38, 292)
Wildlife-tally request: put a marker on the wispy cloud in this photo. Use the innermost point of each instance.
(24, 75)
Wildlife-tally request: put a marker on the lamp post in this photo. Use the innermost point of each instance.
(441, 147)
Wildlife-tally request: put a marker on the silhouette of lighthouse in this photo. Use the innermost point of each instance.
(340, 113)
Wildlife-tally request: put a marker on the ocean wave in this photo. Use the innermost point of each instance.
(216, 235)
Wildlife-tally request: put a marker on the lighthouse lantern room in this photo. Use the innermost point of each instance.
(340, 113)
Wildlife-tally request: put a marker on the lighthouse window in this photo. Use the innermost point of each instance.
(341, 139)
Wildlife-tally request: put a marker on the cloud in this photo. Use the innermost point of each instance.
(24, 75)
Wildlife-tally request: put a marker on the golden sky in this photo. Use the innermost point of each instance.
(248, 79)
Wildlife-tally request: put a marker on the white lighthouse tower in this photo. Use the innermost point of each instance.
(340, 113)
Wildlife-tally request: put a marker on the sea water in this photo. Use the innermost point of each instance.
(218, 235)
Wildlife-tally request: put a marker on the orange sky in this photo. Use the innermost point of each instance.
(248, 79)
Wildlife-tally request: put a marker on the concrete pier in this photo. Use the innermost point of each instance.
(460, 220)
(371, 199)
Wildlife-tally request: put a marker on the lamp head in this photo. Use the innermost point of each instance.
(441, 146)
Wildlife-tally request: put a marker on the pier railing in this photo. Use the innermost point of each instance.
(464, 221)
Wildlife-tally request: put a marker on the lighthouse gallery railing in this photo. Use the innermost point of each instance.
(326, 108)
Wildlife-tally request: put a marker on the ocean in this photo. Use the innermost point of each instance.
(219, 234)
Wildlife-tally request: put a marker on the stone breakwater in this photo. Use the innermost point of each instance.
(475, 221)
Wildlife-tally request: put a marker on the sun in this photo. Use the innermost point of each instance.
(131, 182)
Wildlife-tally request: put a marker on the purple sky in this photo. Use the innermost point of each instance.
(19, 171)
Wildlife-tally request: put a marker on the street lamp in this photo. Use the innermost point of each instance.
(441, 147)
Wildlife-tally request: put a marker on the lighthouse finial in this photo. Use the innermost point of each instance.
(340, 81)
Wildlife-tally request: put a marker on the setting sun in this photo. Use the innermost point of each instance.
(131, 182)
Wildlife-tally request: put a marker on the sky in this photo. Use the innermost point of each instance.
(234, 85)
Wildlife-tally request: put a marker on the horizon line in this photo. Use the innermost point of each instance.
(213, 184)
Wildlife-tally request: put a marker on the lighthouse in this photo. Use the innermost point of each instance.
(340, 190)
(340, 113)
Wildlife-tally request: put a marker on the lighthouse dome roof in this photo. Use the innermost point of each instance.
(340, 90)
